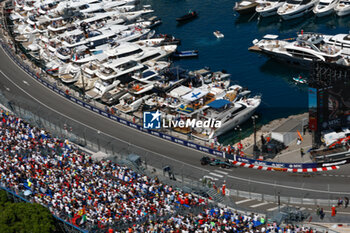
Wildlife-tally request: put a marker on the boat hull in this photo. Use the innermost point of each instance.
(187, 17)
(246, 10)
(295, 61)
(241, 118)
(297, 13)
(323, 13)
(343, 12)
(268, 12)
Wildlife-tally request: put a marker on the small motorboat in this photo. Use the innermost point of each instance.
(184, 54)
(155, 21)
(190, 15)
(245, 6)
(218, 34)
(300, 80)
(325, 7)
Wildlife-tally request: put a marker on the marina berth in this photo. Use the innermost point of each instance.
(325, 7)
(292, 9)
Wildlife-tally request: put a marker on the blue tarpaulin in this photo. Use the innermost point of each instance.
(219, 103)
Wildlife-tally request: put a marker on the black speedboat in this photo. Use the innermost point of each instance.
(188, 16)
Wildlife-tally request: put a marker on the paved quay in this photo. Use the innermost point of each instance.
(292, 153)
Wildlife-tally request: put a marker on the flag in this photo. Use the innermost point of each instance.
(83, 219)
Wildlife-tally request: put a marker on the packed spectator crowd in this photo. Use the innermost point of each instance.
(74, 187)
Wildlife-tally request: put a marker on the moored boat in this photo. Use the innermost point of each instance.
(190, 15)
(245, 6)
(218, 34)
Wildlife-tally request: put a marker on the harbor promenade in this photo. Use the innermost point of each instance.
(291, 154)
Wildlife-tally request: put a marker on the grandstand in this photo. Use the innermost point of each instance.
(102, 195)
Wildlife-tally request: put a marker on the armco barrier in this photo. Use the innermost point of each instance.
(156, 133)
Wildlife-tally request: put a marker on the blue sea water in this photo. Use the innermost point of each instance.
(281, 97)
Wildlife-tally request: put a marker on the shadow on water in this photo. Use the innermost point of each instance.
(294, 25)
(246, 18)
(277, 68)
(268, 23)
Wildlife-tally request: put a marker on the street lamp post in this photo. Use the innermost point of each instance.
(255, 148)
(239, 129)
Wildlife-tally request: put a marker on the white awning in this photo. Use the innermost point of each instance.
(270, 36)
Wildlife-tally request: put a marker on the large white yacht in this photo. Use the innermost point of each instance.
(292, 9)
(340, 41)
(117, 68)
(230, 114)
(302, 51)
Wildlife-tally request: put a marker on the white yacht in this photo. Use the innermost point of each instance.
(130, 103)
(302, 51)
(229, 114)
(88, 78)
(342, 8)
(117, 68)
(325, 7)
(269, 7)
(292, 9)
(69, 73)
(101, 87)
(340, 41)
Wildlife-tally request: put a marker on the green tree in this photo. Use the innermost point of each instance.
(24, 217)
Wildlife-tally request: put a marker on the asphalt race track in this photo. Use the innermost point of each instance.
(325, 185)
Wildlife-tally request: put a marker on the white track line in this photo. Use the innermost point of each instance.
(222, 172)
(214, 174)
(243, 201)
(259, 204)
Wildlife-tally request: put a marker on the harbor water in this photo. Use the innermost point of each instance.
(281, 97)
